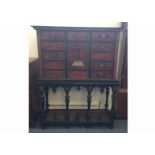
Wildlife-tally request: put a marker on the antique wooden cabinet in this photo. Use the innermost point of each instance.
(77, 57)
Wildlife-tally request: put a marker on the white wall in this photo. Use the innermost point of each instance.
(33, 48)
(78, 99)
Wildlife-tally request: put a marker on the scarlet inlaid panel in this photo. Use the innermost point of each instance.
(77, 36)
(53, 46)
(109, 36)
(102, 46)
(52, 35)
(53, 56)
(102, 56)
(78, 74)
(54, 65)
(102, 74)
(77, 53)
(54, 74)
(102, 65)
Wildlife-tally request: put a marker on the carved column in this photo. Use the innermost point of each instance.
(107, 98)
(46, 96)
(89, 96)
(42, 107)
(67, 100)
(114, 95)
(101, 91)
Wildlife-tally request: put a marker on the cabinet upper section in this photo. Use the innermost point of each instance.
(77, 52)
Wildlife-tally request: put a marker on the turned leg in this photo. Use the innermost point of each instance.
(89, 96)
(114, 95)
(67, 100)
(46, 97)
(42, 108)
(107, 98)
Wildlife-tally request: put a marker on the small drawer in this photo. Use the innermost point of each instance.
(102, 65)
(52, 35)
(53, 65)
(103, 36)
(102, 46)
(78, 74)
(53, 46)
(53, 55)
(101, 75)
(75, 36)
(102, 56)
(54, 74)
(78, 47)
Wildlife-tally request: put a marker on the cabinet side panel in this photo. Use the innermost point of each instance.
(115, 60)
(40, 54)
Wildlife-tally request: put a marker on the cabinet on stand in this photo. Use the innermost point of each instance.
(77, 57)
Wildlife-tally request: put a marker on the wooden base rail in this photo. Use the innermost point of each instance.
(87, 117)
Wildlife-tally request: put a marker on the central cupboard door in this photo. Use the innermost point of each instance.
(77, 60)
(78, 55)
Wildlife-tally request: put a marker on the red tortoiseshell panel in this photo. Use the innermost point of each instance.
(102, 46)
(53, 55)
(53, 65)
(102, 56)
(102, 65)
(78, 74)
(54, 74)
(82, 36)
(102, 75)
(77, 52)
(53, 46)
(103, 36)
(52, 35)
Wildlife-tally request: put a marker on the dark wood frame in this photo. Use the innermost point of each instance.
(79, 29)
(67, 117)
(85, 117)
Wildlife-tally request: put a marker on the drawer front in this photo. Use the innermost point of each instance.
(53, 46)
(53, 65)
(77, 54)
(102, 75)
(103, 36)
(78, 74)
(102, 56)
(102, 65)
(78, 36)
(54, 74)
(53, 55)
(102, 46)
(52, 35)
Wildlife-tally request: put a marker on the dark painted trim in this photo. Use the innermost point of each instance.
(64, 82)
(61, 28)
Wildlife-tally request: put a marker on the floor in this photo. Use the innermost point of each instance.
(120, 126)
